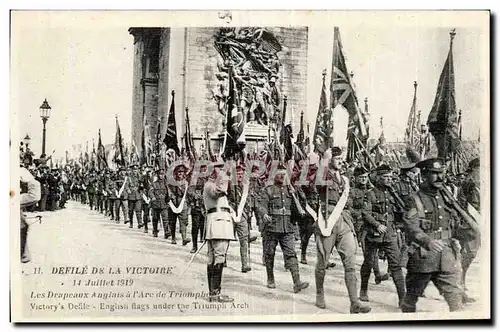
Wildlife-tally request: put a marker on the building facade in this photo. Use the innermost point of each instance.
(185, 60)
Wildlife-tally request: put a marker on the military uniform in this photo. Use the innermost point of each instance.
(379, 210)
(176, 193)
(342, 236)
(470, 193)
(134, 198)
(144, 186)
(111, 195)
(235, 197)
(121, 198)
(308, 195)
(219, 230)
(276, 203)
(429, 219)
(197, 213)
(158, 193)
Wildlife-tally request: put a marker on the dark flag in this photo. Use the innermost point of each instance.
(171, 136)
(342, 92)
(323, 130)
(300, 136)
(442, 121)
(101, 153)
(235, 122)
(412, 134)
(119, 155)
(190, 150)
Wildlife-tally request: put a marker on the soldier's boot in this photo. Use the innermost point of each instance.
(270, 276)
(138, 215)
(210, 279)
(356, 306)
(194, 238)
(399, 282)
(409, 303)
(25, 255)
(298, 285)
(145, 226)
(245, 259)
(216, 295)
(172, 232)
(303, 251)
(166, 230)
(363, 292)
(185, 239)
(130, 218)
(320, 292)
(155, 228)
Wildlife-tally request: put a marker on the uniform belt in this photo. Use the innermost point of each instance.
(441, 234)
(221, 209)
(281, 212)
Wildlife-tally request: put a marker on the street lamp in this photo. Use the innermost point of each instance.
(44, 114)
(27, 141)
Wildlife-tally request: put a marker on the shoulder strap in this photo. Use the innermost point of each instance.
(420, 206)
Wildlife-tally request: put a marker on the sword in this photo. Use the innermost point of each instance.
(192, 258)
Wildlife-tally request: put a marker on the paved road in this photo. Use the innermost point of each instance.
(78, 237)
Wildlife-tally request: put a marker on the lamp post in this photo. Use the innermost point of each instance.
(27, 141)
(44, 114)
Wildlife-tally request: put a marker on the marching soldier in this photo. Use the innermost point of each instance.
(237, 196)
(197, 210)
(308, 197)
(434, 229)
(378, 216)
(111, 191)
(91, 189)
(134, 197)
(219, 231)
(334, 228)
(177, 206)
(158, 193)
(121, 184)
(144, 186)
(276, 200)
(470, 195)
(358, 196)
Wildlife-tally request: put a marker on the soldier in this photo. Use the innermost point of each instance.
(111, 191)
(469, 197)
(134, 197)
(378, 216)
(308, 197)
(358, 196)
(144, 186)
(177, 204)
(197, 210)
(121, 184)
(434, 230)
(338, 231)
(219, 231)
(91, 190)
(276, 200)
(158, 194)
(237, 196)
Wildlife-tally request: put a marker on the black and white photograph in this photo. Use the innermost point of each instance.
(249, 166)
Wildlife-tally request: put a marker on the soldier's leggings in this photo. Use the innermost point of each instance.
(198, 226)
(145, 214)
(469, 253)
(183, 222)
(242, 230)
(123, 204)
(91, 201)
(134, 206)
(111, 207)
(157, 213)
(344, 240)
(393, 255)
(446, 282)
(287, 244)
(306, 229)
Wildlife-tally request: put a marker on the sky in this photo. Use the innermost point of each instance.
(85, 72)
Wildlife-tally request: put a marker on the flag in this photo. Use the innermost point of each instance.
(323, 129)
(171, 136)
(101, 153)
(189, 143)
(341, 88)
(235, 123)
(412, 133)
(300, 136)
(442, 120)
(120, 153)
